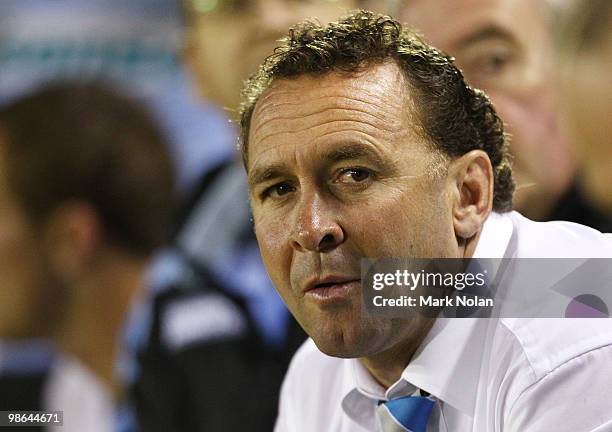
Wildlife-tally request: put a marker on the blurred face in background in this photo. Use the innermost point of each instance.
(505, 48)
(228, 39)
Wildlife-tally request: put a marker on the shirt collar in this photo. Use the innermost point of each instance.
(495, 236)
(447, 364)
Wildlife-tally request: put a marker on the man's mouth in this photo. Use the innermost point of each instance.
(332, 289)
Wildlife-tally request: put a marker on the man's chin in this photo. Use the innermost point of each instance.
(336, 350)
(341, 344)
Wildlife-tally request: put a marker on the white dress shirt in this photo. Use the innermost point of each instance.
(487, 375)
(85, 400)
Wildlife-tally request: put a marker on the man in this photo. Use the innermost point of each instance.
(360, 140)
(86, 195)
(506, 48)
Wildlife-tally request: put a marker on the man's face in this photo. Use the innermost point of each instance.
(229, 41)
(504, 47)
(21, 298)
(337, 173)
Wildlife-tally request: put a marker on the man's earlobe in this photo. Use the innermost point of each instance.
(473, 197)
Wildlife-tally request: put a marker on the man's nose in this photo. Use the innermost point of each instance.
(316, 228)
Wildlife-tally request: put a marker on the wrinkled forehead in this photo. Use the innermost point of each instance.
(374, 100)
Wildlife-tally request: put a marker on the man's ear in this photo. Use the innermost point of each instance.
(72, 235)
(473, 180)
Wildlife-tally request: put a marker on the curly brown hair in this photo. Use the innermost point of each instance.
(453, 116)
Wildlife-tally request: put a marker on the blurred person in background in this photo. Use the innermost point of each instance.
(229, 344)
(135, 45)
(506, 48)
(86, 196)
(586, 44)
(222, 59)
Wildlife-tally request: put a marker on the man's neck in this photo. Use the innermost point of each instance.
(92, 324)
(387, 366)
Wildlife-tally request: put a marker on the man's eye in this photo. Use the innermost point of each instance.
(494, 63)
(353, 175)
(278, 190)
(484, 65)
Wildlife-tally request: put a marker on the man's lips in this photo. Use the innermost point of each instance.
(331, 289)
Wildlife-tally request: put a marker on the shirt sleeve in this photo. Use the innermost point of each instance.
(573, 397)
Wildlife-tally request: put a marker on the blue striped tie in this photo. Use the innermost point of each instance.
(406, 414)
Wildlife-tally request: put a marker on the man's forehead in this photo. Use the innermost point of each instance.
(370, 81)
(373, 97)
(371, 105)
(377, 90)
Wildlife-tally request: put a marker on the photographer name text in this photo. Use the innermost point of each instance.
(433, 301)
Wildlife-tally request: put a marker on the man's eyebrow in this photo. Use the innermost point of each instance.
(261, 175)
(354, 151)
(342, 153)
(486, 33)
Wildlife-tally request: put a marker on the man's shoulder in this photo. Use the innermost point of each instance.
(559, 239)
(542, 353)
(547, 344)
(547, 362)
